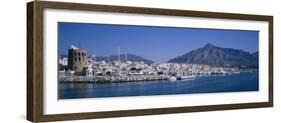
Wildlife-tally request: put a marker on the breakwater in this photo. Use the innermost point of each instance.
(107, 79)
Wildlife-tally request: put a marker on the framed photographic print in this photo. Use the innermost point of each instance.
(89, 61)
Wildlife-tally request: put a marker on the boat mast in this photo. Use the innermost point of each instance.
(119, 54)
(94, 57)
(108, 58)
(125, 57)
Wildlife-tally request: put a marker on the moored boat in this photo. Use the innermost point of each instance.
(186, 77)
(172, 78)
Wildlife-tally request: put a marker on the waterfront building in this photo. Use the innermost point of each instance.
(63, 61)
(89, 71)
(77, 59)
(69, 73)
(61, 73)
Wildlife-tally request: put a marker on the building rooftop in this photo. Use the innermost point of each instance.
(73, 47)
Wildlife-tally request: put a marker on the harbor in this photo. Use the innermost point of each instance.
(82, 69)
(133, 78)
(108, 60)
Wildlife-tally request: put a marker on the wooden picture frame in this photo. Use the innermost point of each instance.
(35, 62)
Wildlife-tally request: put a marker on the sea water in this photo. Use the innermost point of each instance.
(205, 84)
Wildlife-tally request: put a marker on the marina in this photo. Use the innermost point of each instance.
(83, 69)
(97, 66)
(127, 76)
(116, 76)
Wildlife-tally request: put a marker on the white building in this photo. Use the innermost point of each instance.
(63, 61)
(89, 71)
(69, 73)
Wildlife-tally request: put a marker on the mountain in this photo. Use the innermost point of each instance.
(130, 57)
(256, 55)
(218, 56)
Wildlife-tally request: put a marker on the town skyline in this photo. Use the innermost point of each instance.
(150, 42)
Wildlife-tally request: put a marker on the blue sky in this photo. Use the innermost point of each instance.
(154, 43)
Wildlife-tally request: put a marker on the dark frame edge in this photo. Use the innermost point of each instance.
(157, 111)
(30, 40)
(34, 61)
(270, 47)
(152, 11)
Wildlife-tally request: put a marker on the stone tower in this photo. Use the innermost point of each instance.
(77, 59)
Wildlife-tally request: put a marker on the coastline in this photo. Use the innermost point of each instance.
(131, 78)
(111, 79)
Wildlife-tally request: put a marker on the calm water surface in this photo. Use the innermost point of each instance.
(208, 84)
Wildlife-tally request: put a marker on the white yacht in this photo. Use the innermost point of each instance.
(186, 77)
(172, 78)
